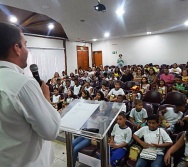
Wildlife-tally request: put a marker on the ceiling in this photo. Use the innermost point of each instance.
(141, 16)
(31, 22)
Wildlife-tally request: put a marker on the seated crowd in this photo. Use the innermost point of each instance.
(112, 84)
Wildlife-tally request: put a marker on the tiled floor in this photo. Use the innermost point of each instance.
(59, 149)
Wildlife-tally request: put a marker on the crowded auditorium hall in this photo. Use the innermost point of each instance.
(94, 83)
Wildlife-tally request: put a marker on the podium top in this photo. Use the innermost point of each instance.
(89, 118)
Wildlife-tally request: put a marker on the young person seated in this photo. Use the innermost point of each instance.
(175, 69)
(92, 125)
(116, 106)
(179, 86)
(155, 140)
(184, 76)
(120, 137)
(161, 87)
(77, 87)
(56, 98)
(170, 116)
(112, 95)
(138, 115)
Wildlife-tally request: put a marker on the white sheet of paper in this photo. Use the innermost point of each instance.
(78, 115)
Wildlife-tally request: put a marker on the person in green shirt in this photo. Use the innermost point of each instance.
(120, 61)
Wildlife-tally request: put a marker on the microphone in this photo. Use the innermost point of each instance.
(34, 70)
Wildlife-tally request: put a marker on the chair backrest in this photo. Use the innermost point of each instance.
(129, 84)
(175, 98)
(131, 126)
(149, 108)
(153, 96)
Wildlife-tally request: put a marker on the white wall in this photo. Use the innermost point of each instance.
(157, 49)
(72, 55)
(39, 42)
(71, 51)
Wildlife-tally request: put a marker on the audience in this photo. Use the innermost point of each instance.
(108, 84)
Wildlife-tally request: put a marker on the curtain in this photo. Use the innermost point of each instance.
(48, 61)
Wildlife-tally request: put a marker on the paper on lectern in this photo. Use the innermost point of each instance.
(78, 115)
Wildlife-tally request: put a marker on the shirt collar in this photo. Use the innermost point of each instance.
(11, 66)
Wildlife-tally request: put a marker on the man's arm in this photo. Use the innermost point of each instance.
(34, 105)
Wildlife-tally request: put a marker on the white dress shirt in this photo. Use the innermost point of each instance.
(27, 120)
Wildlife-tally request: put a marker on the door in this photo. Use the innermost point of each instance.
(97, 58)
(83, 57)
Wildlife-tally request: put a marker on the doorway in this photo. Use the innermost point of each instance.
(83, 57)
(97, 58)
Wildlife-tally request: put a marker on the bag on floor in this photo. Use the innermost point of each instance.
(134, 152)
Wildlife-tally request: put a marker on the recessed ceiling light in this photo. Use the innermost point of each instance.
(94, 39)
(107, 34)
(120, 11)
(186, 23)
(13, 19)
(148, 33)
(51, 26)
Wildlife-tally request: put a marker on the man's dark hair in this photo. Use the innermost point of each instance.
(55, 89)
(9, 36)
(153, 117)
(123, 114)
(179, 77)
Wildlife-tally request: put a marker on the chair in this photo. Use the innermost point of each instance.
(175, 98)
(127, 86)
(153, 97)
(149, 108)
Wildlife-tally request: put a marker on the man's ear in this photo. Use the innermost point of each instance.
(17, 49)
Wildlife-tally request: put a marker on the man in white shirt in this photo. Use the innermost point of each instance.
(175, 69)
(28, 122)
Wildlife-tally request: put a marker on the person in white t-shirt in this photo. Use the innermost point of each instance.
(138, 115)
(120, 137)
(175, 69)
(155, 139)
(116, 106)
(112, 95)
(56, 97)
(76, 88)
(172, 116)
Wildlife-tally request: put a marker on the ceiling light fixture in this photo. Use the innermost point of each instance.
(100, 7)
(148, 33)
(107, 34)
(120, 11)
(186, 23)
(94, 39)
(51, 26)
(13, 19)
